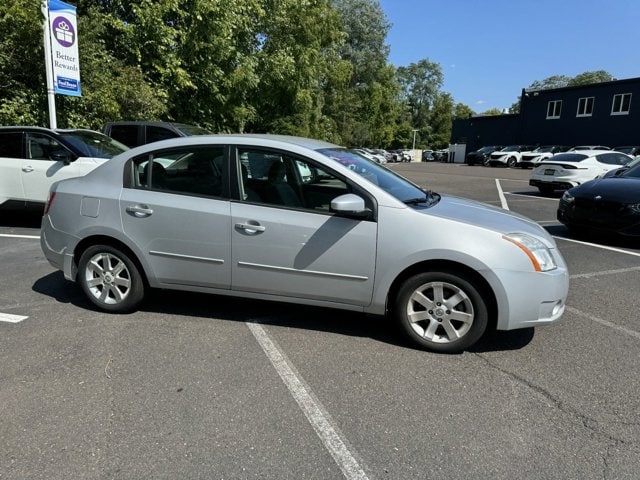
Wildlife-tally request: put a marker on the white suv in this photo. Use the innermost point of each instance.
(508, 156)
(33, 158)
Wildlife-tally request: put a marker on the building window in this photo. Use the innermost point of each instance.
(585, 107)
(554, 108)
(621, 104)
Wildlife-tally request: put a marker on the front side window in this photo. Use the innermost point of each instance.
(277, 178)
(554, 108)
(196, 171)
(621, 104)
(44, 147)
(585, 107)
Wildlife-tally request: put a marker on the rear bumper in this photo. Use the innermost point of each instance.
(555, 184)
(55, 246)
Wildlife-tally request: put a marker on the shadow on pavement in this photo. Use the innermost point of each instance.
(20, 218)
(201, 305)
(600, 238)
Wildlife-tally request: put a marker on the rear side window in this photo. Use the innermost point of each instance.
(613, 158)
(11, 144)
(127, 134)
(191, 171)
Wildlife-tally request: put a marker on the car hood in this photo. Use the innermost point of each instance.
(486, 216)
(620, 189)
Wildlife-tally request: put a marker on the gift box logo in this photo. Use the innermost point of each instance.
(63, 31)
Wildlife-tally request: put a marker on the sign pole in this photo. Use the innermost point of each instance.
(51, 97)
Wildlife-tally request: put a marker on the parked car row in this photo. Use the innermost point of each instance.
(526, 156)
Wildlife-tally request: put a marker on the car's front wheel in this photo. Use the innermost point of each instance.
(512, 162)
(441, 311)
(110, 279)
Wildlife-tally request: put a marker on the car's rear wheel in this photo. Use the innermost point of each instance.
(440, 311)
(512, 162)
(110, 279)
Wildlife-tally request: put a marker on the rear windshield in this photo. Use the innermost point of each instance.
(511, 148)
(569, 157)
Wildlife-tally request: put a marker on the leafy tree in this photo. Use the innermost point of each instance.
(440, 119)
(492, 111)
(587, 78)
(460, 111)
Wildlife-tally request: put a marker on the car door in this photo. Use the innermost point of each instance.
(286, 241)
(176, 210)
(10, 166)
(47, 161)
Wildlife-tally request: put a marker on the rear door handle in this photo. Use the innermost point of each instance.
(139, 211)
(247, 227)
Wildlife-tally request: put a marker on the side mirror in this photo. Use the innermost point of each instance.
(61, 156)
(350, 205)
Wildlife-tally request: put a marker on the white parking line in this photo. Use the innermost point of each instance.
(7, 317)
(532, 197)
(503, 200)
(311, 407)
(8, 235)
(605, 272)
(606, 323)
(604, 247)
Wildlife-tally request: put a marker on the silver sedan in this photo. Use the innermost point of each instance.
(303, 221)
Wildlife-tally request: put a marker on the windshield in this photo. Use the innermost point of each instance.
(189, 130)
(545, 149)
(487, 150)
(633, 169)
(511, 148)
(94, 144)
(627, 150)
(390, 182)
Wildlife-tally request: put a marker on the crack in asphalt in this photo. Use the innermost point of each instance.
(590, 424)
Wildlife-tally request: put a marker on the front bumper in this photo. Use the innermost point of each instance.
(532, 299)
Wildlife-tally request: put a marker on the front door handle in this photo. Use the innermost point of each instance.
(27, 169)
(139, 211)
(247, 227)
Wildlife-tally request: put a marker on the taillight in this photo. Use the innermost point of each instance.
(52, 195)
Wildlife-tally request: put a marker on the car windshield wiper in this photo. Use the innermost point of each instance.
(430, 198)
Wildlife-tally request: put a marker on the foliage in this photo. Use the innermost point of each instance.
(316, 68)
(559, 81)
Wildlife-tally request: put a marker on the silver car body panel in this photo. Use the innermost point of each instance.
(276, 253)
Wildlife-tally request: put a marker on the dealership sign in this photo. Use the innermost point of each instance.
(63, 32)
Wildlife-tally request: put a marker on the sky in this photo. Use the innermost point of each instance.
(490, 49)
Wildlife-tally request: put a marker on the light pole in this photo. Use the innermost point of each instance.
(414, 139)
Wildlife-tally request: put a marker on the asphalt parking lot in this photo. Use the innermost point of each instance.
(198, 386)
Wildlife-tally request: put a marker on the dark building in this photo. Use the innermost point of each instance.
(605, 113)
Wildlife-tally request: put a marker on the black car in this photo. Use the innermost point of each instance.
(135, 133)
(480, 156)
(610, 205)
(634, 151)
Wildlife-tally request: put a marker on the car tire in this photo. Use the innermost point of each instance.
(512, 162)
(440, 311)
(110, 279)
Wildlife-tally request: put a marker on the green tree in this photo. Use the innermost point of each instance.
(587, 78)
(492, 111)
(461, 111)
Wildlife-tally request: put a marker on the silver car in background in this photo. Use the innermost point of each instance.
(303, 221)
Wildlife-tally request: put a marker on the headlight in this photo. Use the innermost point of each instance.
(538, 252)
(567, 197)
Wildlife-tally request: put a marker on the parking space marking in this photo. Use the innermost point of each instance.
(606, 323)
(532, 197)
(503, 199)
(605, 272)
(316, 414)
(7, 235)
(604, 247)
(7, 317)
